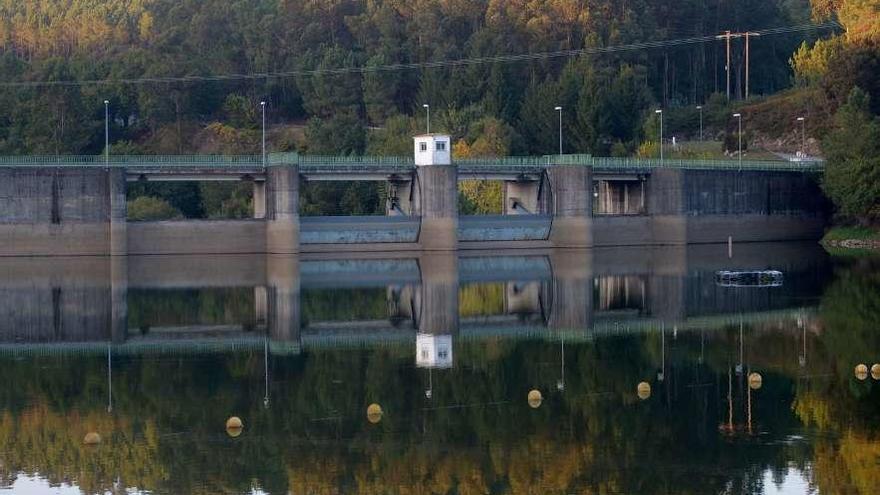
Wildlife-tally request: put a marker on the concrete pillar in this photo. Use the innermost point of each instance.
(119, 298)
(283, 319)
(259, 199)
(522, 198)
(282, 215)
(438, 200)
(118, 213)
(572, 290)
(572, 188)
(437, 307)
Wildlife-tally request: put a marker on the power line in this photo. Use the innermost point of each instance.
(647, 45)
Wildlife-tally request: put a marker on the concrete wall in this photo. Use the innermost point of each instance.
(197, 237)
(47, 211)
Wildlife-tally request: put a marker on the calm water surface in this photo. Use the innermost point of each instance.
(605, 371)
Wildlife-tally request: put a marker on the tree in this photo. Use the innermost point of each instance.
(852, 149)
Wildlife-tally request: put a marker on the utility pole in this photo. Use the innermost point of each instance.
(727, 36)
(747, 34)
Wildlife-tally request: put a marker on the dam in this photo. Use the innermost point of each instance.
(76, 205)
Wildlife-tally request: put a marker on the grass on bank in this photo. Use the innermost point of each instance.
(843, 233)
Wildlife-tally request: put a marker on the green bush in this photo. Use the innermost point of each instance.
(148, 208)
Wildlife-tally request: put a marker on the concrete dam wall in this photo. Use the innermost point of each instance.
(56, 211)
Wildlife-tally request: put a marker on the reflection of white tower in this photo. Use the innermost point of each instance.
(433, 351)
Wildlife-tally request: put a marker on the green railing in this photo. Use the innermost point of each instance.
(651, 163)
(367, 162)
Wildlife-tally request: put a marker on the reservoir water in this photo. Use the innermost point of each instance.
(631, 371)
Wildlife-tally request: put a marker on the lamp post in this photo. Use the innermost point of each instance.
(559, 109)
(803, 122)
(740, 123)
(660, 113)
(107, 132)
(700, 108)
(428, 117)
(263, 108)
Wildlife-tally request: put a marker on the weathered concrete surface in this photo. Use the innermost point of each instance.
(472, 228)
(283, 281)
(282, 226)
(438, 196)
(753, 228)
(572, 206)
(197, 237)
(358, 230)
(118, 213)
(437, 302)
(571, 296)
(188, 271)
(47, 211)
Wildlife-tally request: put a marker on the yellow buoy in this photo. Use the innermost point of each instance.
(92, 438)
(875, 371)
(755, 381)
(862, 372)
(535, 399)
(234, 426)
(643, 390)
(374, 413)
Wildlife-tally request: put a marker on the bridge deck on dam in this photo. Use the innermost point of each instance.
(326, 166)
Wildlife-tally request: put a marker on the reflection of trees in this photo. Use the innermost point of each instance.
(179, 307)
(165, 432)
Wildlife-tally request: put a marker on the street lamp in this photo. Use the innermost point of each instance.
(660, 113)
(559, 109)
(700, 108)
(107, 132)
(740, 119)
(263, 108)
(803, 122)
(428, 118)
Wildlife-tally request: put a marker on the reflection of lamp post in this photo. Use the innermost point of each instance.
(560, 384)
(702, 344)
(430, 392)
(266, 372)
(739, 118)
(661, 374)
(739, 365)
(109, 381)
(802, 359)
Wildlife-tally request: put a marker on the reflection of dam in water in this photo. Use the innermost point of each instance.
(205, 304)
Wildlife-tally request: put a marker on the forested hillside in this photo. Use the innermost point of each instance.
(606, 96)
